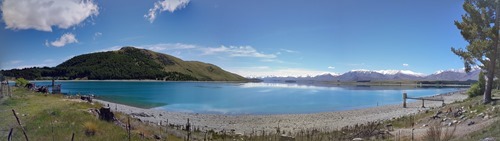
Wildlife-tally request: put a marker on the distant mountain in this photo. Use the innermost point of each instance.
(454, 75)
(130, 63)
(362, 75)
(386, 75)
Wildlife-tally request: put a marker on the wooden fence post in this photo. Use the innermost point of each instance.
(8, 89)
(188, 129)
(128, 128)
(1, 89)
(404, 100)
(19, 122)
(166, 130)
(10, 134)
(423, 106)
(52, 126)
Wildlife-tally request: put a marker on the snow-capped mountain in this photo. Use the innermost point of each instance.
(361, 75)
(381, 75)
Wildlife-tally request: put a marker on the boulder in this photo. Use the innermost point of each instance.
(106, 114)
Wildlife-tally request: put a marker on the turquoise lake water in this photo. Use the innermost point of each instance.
(244, 98)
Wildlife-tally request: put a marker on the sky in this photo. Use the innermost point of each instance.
(251, 38)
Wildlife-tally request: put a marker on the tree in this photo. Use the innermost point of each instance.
(21, 82)
(480, 28)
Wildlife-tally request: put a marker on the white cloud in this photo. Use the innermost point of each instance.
(170, 46)
(331, 67)
(289, 51)
(273, 61)
(165, 5)
(237, 51)
(405, 65)
(43, 14)
(67, 38)
(47, 43)
(15, 62)
(97, 35)
(113, 48)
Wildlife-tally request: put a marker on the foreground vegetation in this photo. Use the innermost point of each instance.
(53, 117)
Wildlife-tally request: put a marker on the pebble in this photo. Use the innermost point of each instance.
(471, 123)
(489, 139)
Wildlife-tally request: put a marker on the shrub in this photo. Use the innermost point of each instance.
(21, 82)
(474, 90)
(90, 128)
(478, 87)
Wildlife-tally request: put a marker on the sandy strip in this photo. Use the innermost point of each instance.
(245, 124)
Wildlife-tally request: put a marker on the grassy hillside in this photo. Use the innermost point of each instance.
(52, 117)
(129, 63)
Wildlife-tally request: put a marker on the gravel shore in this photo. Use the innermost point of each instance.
(245, 124)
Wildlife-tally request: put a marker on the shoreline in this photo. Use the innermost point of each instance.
(246, 124)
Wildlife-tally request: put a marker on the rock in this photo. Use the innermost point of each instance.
(455, 121)
(106, 114)
(450, 124)
(462, 117)
(471, 123)
(141, 114)
(488, 139)
(157, 137)
(357, 139)
(425, 125)
(286, 138)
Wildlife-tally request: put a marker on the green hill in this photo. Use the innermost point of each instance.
(129, 63)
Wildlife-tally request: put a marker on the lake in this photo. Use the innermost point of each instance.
(243, 98)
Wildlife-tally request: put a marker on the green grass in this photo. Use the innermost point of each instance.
(51, 117)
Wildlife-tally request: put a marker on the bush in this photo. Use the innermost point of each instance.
(474, 90)
(21, 82)
(479, 87)
(90, 128)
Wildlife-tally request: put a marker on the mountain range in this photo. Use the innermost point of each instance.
(384, 75)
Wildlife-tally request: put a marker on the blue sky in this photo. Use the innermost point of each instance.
(251, 38)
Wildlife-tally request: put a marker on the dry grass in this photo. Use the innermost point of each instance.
(51, 117)
(90, 128)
